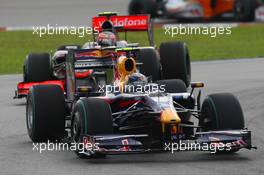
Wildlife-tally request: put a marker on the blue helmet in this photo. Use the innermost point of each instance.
(136, 79)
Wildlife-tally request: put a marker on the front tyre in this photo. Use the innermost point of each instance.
(92, 116)
(173, 85)
(45, 113)
(222, 112)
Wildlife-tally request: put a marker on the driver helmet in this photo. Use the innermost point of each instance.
(136, 79)
(106, 39)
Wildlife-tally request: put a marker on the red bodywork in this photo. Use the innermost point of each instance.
(128, 23)
(23, 87)
(222, 6)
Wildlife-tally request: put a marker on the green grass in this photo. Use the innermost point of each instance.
(245, 42)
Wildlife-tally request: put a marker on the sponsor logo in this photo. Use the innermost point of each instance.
(127, 22)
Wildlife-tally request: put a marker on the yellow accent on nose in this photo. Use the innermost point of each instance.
(170, 116)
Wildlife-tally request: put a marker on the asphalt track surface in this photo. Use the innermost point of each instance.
(244, 78)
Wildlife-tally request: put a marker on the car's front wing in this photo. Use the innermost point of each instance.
(125, 144)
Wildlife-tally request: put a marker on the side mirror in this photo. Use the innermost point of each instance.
(197, 85)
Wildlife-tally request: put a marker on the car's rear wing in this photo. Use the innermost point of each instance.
(123, 23)
(84, 59)
(99, 58)
(104, 21)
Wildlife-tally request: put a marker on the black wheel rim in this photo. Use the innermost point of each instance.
(29, 115)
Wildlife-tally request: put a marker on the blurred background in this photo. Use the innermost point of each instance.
(244, 16)
(23, 13)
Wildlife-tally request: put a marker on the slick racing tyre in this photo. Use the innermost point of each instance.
(92, 116)
(143, 7)
(173, 85)
(244, 10)
(175, 61)
(37, 67)
(151, 63)
(221, 112)
(45, 113)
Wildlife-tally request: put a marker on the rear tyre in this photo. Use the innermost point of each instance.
(222, 112)
(151, 63)
(175, 61)
(37, 68)
(244, 10)
(143, 7)
(92, 116)
(45, 113)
